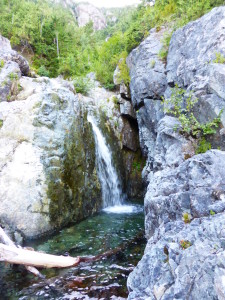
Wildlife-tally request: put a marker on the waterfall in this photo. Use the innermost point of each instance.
(111, 188)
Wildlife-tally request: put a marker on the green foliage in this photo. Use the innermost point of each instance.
(115, 100)
(42, 71)
(124, 75)
(13, 76)
(2, 64)
(220, 59)
(165, 48)
(203, 146)
(38, 25)
(137, 166)
(1, 123)
(181, 106)
(186, 218)
(82, 85)
(185, 244)
(212, 213)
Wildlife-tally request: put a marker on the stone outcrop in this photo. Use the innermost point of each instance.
(12, 66)
(44, 147)
(184, 202)
(85, 13)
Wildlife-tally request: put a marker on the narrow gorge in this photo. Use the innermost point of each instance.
(75, 168)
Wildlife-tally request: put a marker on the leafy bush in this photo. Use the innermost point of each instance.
(203, 146)
(181, 105)
(82, 85)
(124, 75)
(42, 71)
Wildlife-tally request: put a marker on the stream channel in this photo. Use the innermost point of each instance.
(118, 229)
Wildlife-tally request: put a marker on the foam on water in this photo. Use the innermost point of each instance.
(123, 209)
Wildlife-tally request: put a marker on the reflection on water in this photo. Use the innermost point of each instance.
(103, 279)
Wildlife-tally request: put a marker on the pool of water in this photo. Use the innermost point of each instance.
(119, 231)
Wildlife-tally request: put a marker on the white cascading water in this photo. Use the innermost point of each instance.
(111, 188)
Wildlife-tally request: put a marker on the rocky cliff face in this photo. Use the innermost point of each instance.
(184, 203)
(87, 13)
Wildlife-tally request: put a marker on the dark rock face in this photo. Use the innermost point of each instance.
(184, 203)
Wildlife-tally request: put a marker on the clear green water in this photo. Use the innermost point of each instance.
(103, 279)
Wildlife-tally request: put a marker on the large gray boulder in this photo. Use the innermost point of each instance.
(42, 149)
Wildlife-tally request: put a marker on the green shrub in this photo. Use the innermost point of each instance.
(42, 71)
(212, 213)
(181, 106)
(123, 75)
(13, 76)
(2, 64)
(186, 218)
(203, 146)
(185, 244)
(165, 48)
(82, 85)
(220, 59)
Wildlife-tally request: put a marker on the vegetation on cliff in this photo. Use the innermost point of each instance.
(48, 35)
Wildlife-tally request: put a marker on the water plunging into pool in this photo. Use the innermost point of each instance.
(112, 195)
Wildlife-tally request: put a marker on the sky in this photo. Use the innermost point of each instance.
(111, 3)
